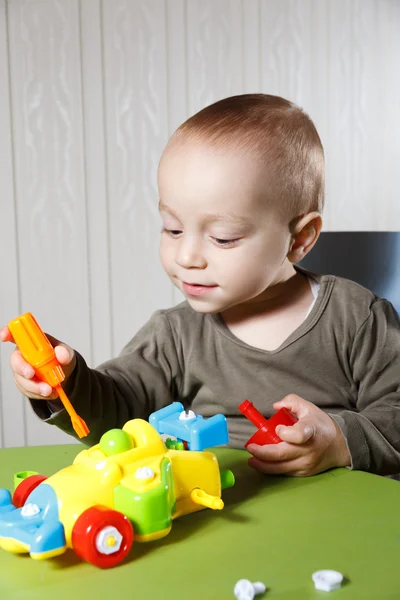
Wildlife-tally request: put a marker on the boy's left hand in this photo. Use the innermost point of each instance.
(312, 445)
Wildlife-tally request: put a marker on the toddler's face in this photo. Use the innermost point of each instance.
(222, 243)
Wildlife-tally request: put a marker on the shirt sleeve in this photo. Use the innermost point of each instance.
(372, 431)
(145, 377)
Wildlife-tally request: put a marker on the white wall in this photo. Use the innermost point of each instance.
(90, 90)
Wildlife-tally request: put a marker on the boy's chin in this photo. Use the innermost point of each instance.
(204, 307)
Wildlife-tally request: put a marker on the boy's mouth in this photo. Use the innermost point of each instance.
(196, 289)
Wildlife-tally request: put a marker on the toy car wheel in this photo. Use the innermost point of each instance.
(102, 537)
(23, 490)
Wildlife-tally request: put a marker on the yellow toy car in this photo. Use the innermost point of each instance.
(128, 486)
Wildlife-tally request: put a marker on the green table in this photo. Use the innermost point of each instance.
(272, 529)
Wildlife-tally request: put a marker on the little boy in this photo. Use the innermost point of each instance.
(241, 195)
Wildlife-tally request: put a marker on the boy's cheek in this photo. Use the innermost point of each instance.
(166, 255)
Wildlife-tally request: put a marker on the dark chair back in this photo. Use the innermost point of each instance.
(372, 259)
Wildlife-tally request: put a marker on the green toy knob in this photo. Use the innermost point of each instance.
(19, 477)
(116, 441)
(227, 479)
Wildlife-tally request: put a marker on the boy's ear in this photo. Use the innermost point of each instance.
(305, 232)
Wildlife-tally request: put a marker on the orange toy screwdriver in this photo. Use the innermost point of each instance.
(39, 353)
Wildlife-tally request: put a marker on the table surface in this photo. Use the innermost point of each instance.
(276, 530)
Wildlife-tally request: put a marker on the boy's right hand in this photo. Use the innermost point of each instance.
(24, 374)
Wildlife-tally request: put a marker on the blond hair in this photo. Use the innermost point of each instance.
(276, 131)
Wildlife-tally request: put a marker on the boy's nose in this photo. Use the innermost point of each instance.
(189, 254)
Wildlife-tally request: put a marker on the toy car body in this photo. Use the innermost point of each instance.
(129, 485)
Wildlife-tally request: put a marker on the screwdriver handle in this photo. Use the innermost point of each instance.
(36, 349)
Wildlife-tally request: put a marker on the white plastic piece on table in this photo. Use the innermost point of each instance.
(30, 510)
(187, 416)
(246, 590)
(327, 580)
(144, 473)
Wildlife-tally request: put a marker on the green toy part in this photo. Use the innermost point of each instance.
(174, 444)
(116, 441)
(151, 510)
(227, 479)
(19, 477)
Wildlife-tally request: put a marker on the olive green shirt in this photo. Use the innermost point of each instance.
(345, 358)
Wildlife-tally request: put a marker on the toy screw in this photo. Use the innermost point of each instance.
(187, 415)
(327, 580)
(245, 590)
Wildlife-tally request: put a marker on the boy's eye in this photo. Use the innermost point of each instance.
(172, 232)
(225, 243)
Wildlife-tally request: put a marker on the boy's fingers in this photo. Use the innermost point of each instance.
(299, 433)
(64, 354)
(295, 404)
(20, 366)
(275, 452)
(33, 388)
(5, 335)
(66, 357)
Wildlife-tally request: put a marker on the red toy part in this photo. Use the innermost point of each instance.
(266, 427)
(23, 490)
(102, 537)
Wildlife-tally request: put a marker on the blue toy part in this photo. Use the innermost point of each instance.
(198, 432)
(6, 504)
(34, 528)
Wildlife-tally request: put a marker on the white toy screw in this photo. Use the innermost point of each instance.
(30, 510)
(327, 580)
(245, 590)
(187, 416)
(144, 473)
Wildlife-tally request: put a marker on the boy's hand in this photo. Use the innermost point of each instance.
(24, 374)
(312, 445)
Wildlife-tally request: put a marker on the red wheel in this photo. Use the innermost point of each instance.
(102, 537)
(23, 490)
